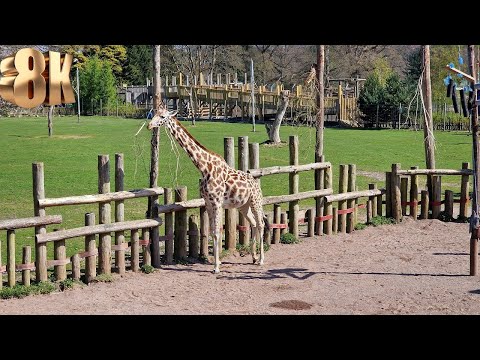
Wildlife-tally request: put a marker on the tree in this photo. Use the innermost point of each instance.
(97, 82)
(273, 130)
(371, 95)
(138, 66)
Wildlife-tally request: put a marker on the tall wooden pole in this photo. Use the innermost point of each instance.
(474, 225)
(429, 140)
(155, 132)
(252, 79)
(319, 178)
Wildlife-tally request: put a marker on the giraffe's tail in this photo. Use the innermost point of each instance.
(266, 229)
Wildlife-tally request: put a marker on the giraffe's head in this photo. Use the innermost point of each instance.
(162, 116)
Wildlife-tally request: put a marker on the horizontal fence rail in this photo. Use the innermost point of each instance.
(435, 172)
(97, 229)
(354, 195)
(99, 198)
(289, 169)
(30, 222)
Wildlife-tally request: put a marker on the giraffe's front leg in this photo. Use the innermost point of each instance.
(253, 245)
(260, 235)
(215, 227)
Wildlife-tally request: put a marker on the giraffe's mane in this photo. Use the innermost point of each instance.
(195, 140)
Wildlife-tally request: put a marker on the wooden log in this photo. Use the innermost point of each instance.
(464, 192)
(155, 236)
(335, 220)
(293, 186)
(268, 200)
(379, 205)
(243, 236)
(180, 206)
(342, 204)
(353, 195)
(11, 257)
(134, 250)
(351, 186)
(97, 229)
(181, 226)
(403, 194)
(168, 199)
(230, 214)
(193, 236)
(437, 196)
(39, 194)
(60, 253)
(310, 216)
(435, 172)
(13, 224)
(283, 220)
(288, 169)
(396, 195)
(100, 198)
(373, 186)
(26, 260)
(369, 211)
(268, 234)
(254, 157)
(425, 205)
(327, 210)
(75, 260)
(204, 225)
(319, 181)
(449, 203)
(277, 211)
(105, 242)
(388, 194)
(119, 214)
(147, 254)
(414, 194)
(91, 247)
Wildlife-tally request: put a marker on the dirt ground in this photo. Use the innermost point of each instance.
(417, 267)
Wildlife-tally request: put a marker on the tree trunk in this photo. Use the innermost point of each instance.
(50, 120)
(429, 140)
(320, 102)
(273, 130)
(157, 102)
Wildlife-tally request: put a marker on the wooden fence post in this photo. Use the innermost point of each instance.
(283, 220)
(135, 250)
(404, 194)
(230, 214)
(373, 186)
(204, 230)
(396, 196)
(449, 203)
(425, 205)
(147, 254)
(254, 157)
(437, 196)
(193, 236)
(319, 206)
(119, 215)
(11, 257)
(464, 193)
(352, 179)
(75, 260)
(277, 211)
(168, 199)
(327, 207)
(26, 260)
(90, 247)
(414, 194)
(388, 194)
(1, 273)
(38, 194)
(181, 224)
(105, 243)
(342, 205)
(310, 216)
(293, 186)
(243, 236)
(60, 253)
(335, 220)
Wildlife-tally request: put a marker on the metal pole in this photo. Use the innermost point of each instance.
(78, 97)
(253, 93)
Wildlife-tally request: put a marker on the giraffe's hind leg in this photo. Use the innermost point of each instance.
(258, 215)
(246, 211)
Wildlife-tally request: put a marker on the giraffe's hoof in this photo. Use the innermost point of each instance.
(255, 261)
(260, 263)
(216, 271)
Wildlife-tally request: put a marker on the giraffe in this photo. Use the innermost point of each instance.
(221, 186)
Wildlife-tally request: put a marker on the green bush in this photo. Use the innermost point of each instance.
(147, 269)
(381, 220)
(360, 226)
(288, 238)
(20, 291)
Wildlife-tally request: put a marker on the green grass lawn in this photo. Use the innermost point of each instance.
(70, 159)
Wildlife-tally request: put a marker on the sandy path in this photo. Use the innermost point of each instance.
(412, 268)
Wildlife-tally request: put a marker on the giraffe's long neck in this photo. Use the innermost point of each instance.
(199, 155)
